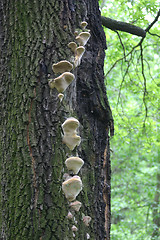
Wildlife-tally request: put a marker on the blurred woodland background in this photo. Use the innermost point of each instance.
(132, 71)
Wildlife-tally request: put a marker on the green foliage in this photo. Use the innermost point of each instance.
(133, 89)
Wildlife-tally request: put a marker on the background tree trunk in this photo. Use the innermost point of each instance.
(33, 36)
(155, 209)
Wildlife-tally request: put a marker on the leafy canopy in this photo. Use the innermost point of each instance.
(133, 88)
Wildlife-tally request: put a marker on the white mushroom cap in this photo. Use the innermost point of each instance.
(79, 54)
(82, 38)
(86, 220)
(70, 125)
(74, 228)
(87, 235)
(76, 205)
(72, 187)
(62, 82)
(60, 96)
(69, 215)
(62, 66)
(79, 51)
(70, 138)
(84, 24)
(72, 141)
(74, 164)
(72, 46)
(76, 33)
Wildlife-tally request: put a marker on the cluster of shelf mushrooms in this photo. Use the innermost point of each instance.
(72, 184)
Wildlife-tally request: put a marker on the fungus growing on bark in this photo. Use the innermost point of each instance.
(61, 82)
(66, 176)
(74, 164)
(51, 83)
(72, 141)
(72, 46)
(78, 51)
(69, 215)
(83, 38)
(60, 96)
(72, 187)
(62, 66)
(76, 33)
(84, 24)
(88, 236)
(79, 54)
(70, 125)
(74, 228)
(70, 138)
(76, 206)
(86, 220)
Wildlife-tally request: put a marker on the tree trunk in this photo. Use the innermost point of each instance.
(33, 36)
(155, 210)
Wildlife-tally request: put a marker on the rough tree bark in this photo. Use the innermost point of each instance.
(33, 36)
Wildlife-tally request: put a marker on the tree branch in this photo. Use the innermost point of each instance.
(152, 23)
(122, 26)
(154, 34)
(145, 87)
(139, 44)
(121, 44)
(127, 27)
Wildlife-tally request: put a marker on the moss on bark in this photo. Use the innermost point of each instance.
(35, 35)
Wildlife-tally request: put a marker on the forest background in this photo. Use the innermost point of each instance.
(133, 87)
(31, 196)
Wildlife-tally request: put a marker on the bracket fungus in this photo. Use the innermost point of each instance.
(76, 33)
(62, 66)
(83, 38)
(72, 187)
(62, 82)
(74, 164)
(84, 24)
(70, 125)
(66, 176)
(76, 206)
(51, 83)
(70, 138)
(60, 96)
(72, 46)
(87, 236)
(69, 215)
(74, 228)
(72, 141)
(86, 220)
(79, 54)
